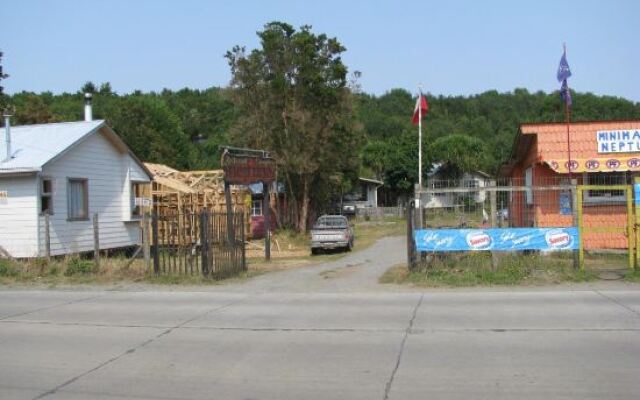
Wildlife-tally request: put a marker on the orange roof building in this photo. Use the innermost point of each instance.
(602, 153)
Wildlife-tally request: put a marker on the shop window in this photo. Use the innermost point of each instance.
(77, 199)
(256, 208)
(137, 199)
(46, 196)
(605, 179)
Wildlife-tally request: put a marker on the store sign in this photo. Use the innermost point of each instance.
(618, 141)
(497, 239)
(244, 170)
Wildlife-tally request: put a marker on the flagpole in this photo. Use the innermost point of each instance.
(420, 138)
(567, 118)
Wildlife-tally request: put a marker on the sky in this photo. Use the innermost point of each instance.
(449, 47)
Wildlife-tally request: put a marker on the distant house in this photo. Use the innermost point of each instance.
(364, 195)
(70, 171)
(436, 180)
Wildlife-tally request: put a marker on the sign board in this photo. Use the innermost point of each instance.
(618, 141)
(143, 202)
(498, 239)
(565, 203)
(246, 169)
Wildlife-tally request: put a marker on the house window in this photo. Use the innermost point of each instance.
(137, 199)
(473, 183)
(605, 179)
(46, 196)
(256, 208)
(528, 182)
(77, 199)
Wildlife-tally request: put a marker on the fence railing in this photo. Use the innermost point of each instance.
(380, 212)
(600, 216)
(206, 243)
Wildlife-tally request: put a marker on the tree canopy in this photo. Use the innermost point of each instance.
(292, 99)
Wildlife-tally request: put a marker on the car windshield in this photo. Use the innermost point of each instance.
(331, 222)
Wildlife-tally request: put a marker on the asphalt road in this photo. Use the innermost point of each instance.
(325, 332)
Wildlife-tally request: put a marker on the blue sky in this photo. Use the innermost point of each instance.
(450, 47)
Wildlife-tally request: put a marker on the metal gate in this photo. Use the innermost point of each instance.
(606, 225)
(208, 243)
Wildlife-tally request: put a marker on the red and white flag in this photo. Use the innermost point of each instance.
(421, 109)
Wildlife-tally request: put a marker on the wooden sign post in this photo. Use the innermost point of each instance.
(244, 167)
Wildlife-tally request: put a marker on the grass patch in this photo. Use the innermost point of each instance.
(475, 269)
(633, 276)
(366, 234)
(112, 270)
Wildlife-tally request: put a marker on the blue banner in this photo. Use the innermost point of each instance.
(499, 239)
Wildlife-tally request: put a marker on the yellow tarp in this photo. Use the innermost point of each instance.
(604, 164)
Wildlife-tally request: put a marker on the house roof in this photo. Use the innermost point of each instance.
(374, 181)
(34, 146)
(551, 143)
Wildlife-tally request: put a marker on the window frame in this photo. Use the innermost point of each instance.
(42, 194)
(254, 208)
(132, 201)
(591, 199)
(85, 185)
(528, 183)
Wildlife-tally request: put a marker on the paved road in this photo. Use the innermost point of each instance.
(303, 335)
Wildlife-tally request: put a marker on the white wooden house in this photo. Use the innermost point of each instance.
(71, 171)
(363, 195)
(444, 199)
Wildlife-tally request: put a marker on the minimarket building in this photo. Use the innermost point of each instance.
(604, 153)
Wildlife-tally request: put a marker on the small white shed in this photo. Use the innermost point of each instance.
(70, 171)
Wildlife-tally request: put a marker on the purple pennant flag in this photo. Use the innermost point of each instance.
(563, 69)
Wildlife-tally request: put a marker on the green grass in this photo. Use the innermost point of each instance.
(475, 269)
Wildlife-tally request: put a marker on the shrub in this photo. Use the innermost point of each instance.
(79, 267)
(7, 269)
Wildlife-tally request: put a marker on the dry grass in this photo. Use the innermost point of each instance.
(112, 270)
(475, 269)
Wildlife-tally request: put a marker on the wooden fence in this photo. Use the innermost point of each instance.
(207, 243)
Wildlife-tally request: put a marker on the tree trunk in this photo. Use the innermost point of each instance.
(304, 206)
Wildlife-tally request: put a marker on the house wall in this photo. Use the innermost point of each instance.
(545, 212)
(18, 216)
(109, 173)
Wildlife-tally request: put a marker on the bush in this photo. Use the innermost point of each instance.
(7, 269)
(79, 267)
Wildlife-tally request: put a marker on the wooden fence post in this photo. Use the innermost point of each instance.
(156, 249)
(244, 254)
(96, 240)
(266, 207)
(47, 238)
(410, 244)
(146, 243)
(227, 199)
(204, 243)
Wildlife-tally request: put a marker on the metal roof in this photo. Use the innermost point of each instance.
(33, 146)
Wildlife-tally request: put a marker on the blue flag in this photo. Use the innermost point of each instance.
(563, 69)
(565, 93)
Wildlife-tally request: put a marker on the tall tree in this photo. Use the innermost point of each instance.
(293, 100)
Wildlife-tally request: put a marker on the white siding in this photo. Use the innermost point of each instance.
(107, 171)
(18, 216)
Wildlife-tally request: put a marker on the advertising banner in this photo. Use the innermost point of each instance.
(497, 239)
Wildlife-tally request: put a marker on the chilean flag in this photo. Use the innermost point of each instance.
(421, 109)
